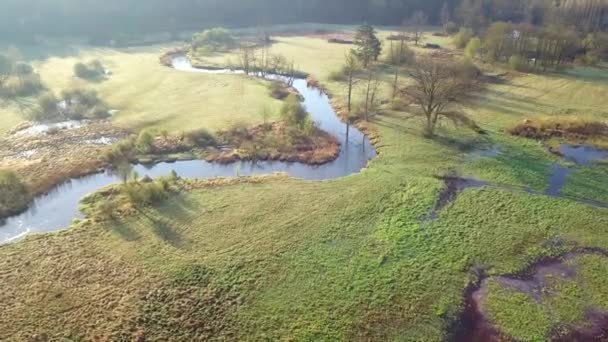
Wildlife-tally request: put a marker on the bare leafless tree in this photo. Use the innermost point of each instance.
(437, 85)
(373, 84)
(247, 58)
(351, 66)
(417, 22)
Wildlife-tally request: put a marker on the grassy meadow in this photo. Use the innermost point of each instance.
(282, 258)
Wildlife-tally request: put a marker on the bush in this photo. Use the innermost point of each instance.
(451, 27)
(518, 63)
(91, 70)
(337, 75)
(24, 85)
(279, 90)
(467, 69)
(14, 195)
(292, 111)
(145, 141)
(140, 193)
(472, 48)
(590, 59)
(46, 110)
(22, 68)
(213, 39)
(200, 137)
(462, 38)
(398, 56)
(78, 104)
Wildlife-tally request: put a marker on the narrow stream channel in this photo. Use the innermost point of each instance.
(56, 210)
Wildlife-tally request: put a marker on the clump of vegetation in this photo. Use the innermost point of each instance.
(92, 70)
(279, 90)
(17, 79)
(145, 141)
(462, 38)
(292, 112)
(569, 127)
(518, 63)
(14, 195)
(215, 39)
(133, 193)
(75, 104)
(201, 138)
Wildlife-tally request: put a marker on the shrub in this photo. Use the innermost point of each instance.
(14, 195)
(140, 193)
(145, 141)
(279, 90)
(46, 110)
(91, 70)
(200, 137)
(120, 152)
(398, 104)
(292, 111)
(337, 75)
(472, 48)
(81, 103)
(400, 56)
(451, 27)
(590, 59)
(518, 63)
(462, 38)
(22, 68)
(213, 39)
(466, 68)
(24, 85)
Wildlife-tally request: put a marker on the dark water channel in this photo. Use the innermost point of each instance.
(56, 210)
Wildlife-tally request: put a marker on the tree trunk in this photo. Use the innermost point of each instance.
(395, 83)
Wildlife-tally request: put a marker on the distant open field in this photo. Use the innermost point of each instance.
(287, 259)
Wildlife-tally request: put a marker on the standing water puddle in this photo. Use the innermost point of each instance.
(579, 155)
(56, 210)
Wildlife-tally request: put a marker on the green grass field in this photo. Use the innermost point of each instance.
(149, 95)
(347, 259)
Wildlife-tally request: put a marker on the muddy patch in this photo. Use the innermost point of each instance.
(475, 323)
(453, 186)
(44, 160)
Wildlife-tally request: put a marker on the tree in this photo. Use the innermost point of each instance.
(368, 45)
(495, 43)
(6, 68)
(417, 22)
(436, 86)
(373, 83)
(247, 58)
(445, 16)
(350, 67)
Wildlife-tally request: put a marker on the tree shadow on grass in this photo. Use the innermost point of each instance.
(162, 228)
(125, 231)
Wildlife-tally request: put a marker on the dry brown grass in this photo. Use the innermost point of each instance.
(567, 127)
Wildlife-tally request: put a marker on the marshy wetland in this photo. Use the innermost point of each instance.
(467, 235)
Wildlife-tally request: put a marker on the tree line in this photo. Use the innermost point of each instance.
(27, 18)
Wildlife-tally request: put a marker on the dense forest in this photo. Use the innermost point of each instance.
(26, 19)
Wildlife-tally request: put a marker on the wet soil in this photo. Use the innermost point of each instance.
(474, 324)
(46, 159)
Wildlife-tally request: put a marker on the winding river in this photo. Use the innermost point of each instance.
(57, 209)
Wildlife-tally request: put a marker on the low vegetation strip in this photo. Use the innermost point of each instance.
(561, 127)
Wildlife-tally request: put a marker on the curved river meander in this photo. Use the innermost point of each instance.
(56, 210)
